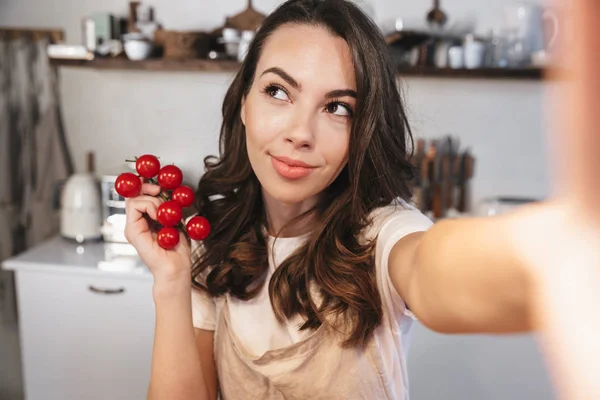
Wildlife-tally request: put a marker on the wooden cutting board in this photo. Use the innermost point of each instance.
(247, 20)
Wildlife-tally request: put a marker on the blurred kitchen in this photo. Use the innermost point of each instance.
(86, 85)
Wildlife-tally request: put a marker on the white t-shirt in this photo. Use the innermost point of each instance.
(254, 321)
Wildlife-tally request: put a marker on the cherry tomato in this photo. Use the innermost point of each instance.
(169, 213)
(170, 177)
(128, 184)
(184, 195)
(197, 228)
(147, 166)
(168, 238)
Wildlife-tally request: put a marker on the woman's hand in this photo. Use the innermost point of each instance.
(169, 267)
(560, 240)
(559, 244)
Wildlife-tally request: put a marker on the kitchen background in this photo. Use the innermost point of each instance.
(118, 114)
(177, 115)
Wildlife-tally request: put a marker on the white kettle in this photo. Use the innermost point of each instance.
(81, 208)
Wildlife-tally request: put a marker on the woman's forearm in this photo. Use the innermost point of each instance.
(176, 366)
(468, 280)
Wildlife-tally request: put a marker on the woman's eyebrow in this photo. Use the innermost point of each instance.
(293, 83)
(341, 93)
(284, 75)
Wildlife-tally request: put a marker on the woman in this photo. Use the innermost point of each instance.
(317, 265)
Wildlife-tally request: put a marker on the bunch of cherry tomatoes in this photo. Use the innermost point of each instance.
(175, 195)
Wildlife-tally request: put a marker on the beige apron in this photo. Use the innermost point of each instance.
(315, 368)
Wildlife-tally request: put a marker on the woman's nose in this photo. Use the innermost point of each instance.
(301, 135)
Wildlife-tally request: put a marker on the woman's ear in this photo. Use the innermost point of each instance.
(243, 111)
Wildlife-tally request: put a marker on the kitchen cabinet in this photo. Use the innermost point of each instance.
(85, 333)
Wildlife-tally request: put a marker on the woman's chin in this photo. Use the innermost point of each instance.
(289, 198)
(288, 195)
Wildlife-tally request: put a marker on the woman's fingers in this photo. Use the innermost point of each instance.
(136, 209)
(150, 189)
(140, 205)
(183, 246)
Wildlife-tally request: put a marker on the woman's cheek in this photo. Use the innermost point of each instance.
(336, 144)
(269, 123)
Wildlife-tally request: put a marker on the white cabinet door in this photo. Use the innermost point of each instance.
(85, 337)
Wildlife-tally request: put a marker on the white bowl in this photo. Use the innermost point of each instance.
(137, 49)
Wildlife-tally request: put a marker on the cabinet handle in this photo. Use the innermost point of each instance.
(106, 291)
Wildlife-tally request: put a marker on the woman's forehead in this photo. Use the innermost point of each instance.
(309, 54)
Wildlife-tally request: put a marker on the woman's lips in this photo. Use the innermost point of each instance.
(291, 169)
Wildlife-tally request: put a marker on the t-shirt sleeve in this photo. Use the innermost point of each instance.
(395, 222)
(204, 311)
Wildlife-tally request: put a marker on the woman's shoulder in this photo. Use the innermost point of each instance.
(398, 216)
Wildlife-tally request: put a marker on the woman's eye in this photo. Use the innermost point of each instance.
(276, 92)
(339, 109)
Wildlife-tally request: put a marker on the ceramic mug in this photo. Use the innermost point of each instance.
(456, 57)
(474, 54)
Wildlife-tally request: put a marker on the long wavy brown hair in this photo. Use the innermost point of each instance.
(334, 260)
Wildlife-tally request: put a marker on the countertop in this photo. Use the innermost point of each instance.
(61, 255)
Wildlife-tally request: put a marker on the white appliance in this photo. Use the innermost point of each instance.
(81, 208)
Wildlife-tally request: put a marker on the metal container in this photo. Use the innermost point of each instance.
(113, 211)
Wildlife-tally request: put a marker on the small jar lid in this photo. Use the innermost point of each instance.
(247, 35)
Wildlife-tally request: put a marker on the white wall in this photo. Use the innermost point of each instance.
(119, 114)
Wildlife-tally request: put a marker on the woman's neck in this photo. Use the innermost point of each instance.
(279, 214)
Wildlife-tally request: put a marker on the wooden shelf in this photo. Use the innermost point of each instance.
(160, 64)
(480, 73)
(55, 35)
(232, 66)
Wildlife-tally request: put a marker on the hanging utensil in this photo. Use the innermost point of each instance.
(452, 144)
(436, 17)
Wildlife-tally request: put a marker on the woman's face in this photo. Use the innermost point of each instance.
(298, 112)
